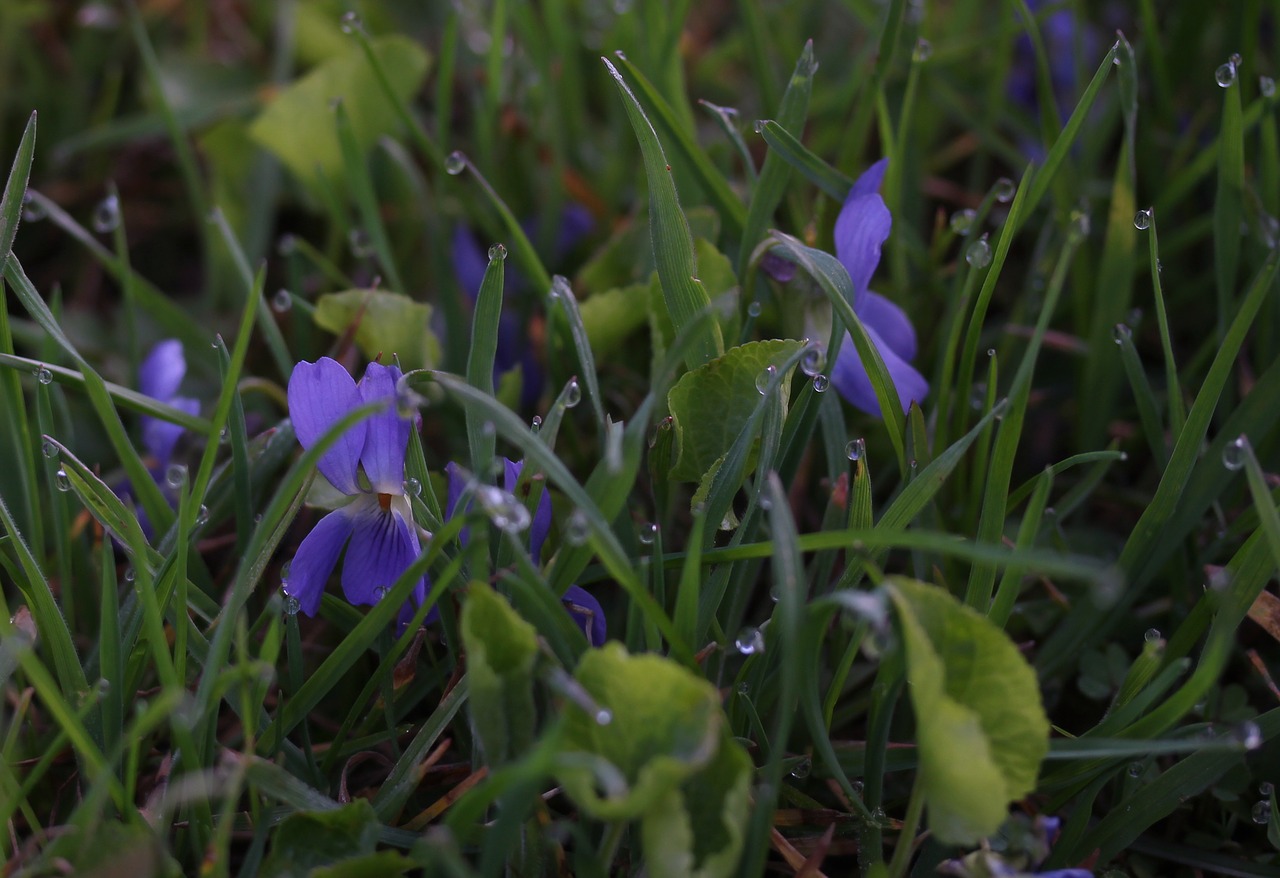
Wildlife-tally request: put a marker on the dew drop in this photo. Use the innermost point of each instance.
(1120, 332)
(34, 211)
(291, 605)
(821, 383)
(61, 481)
(497, 253)
(1235, 59)
(754, 309)
(1004, 190)
(648, 533)
(1152, 635)
(360, 243)
(1225, 75)
(813, 361)
(1135, 769)
(604, 716)
(455, 163)
(1079, 226)
(44, 376)
(106, 216)
(130, 574)
(572, 394)
(766, 379)
(962, 221)
(1142, 219)
(1248, 733)
(175, 476)
(1234, 453)
(855, 449)
(991, 352)
(1266, 788)
(577, 529)
(802, 768)
(744, 688)
(749, 641)
(506, 512)
(412, 487)
(758, 126)
(1267, 86)
(49, 449)
(979, 253)
(350, 23)
(536, 424)
(285, 569)
(202, 515)
(282, 301)
(1261, 812)
(286, 245)
(922, 52)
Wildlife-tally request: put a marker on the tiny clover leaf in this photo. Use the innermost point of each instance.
(664, 724)
(501, 651)
(711, 405)
(297, 125)
(387, 323)
(980, 724)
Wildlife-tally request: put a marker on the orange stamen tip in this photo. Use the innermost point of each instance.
(384, 500)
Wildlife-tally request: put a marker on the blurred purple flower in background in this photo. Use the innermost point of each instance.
(159, 377)
(862, 226)
(579, 603)
(366, 464)
(514, 348)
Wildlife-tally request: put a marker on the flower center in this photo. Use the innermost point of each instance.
(384, 500)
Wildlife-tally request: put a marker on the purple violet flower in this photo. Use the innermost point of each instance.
(585, 609)
(366, 464)
(159, 377)
(862, 226)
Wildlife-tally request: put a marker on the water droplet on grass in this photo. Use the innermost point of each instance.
(1120, 332)
(749, 641)
(814, 360)
(604, 716)
(753, 310)
(291, 605)
(979, 253)
(61, 481)
(1225, 75)
(1004, 190)
(455, 163)
(572, 393)
(202, 515)
(1234, 453)
(106, 216)
(1267, 86)
(765, 380)
(577, 528)
(1248, 733)
(497, 252)
(821, 383)
(1152, 635)
(1142, 219)
(176, 475)
(802, 769)
(855, 449)
(648, 533)
(412, 487)
(48, 449)
(282, 301)
(44, 376)
(536, 424)
(1261, 812)
(922, 52)
(350, 22)
(34, 211)
(962, 221)
(360, 243)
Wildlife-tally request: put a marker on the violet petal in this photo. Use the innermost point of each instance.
(851, 380)
(311, 566)
(388, 435)
(321, 394)
(382, 546)
(890, 323)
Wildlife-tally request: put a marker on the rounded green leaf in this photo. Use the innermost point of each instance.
(663, 725)
(711, 404)
(501, 650)
(980, 723)
(386, 323)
